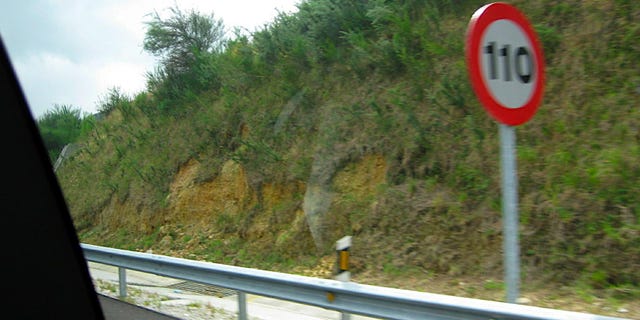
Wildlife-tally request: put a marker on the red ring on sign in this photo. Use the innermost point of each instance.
(480, 20)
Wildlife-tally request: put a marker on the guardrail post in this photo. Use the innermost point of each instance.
(242, 306)
(122, 282)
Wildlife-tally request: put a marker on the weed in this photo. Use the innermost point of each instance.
(493, 285)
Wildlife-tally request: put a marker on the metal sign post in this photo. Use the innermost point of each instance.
(510, 243)
(505, 64)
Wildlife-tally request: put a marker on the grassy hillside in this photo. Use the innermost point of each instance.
(357, 117)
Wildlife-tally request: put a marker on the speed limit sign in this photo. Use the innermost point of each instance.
(505, 63)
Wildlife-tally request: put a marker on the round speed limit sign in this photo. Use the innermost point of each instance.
(505, 63)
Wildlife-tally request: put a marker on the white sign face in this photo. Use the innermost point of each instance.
(508, 63)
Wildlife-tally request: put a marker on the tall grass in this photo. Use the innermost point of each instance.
(345, 80)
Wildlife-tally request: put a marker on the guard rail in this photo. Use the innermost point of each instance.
(349, 297)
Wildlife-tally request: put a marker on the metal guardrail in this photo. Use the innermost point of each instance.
(367, 300)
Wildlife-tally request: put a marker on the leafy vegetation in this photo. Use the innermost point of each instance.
(187, 44)
(320, 92)
(61, 125)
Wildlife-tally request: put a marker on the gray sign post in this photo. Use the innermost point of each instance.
(510, 243)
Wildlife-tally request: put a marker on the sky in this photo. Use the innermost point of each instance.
(71, 52)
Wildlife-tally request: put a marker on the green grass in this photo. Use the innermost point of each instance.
(493, 285)
(393, 84)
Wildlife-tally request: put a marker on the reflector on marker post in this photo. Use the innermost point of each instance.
(342, 262)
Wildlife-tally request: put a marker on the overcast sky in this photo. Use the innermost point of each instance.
(71, 52)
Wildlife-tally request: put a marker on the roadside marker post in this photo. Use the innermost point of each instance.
(506, 68)
(342, 265)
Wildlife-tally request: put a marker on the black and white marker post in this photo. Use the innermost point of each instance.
(506, 67)
(342, 265)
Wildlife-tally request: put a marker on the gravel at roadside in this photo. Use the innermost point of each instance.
(164, 304)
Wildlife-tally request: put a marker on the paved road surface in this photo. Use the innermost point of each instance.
(114, 309)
